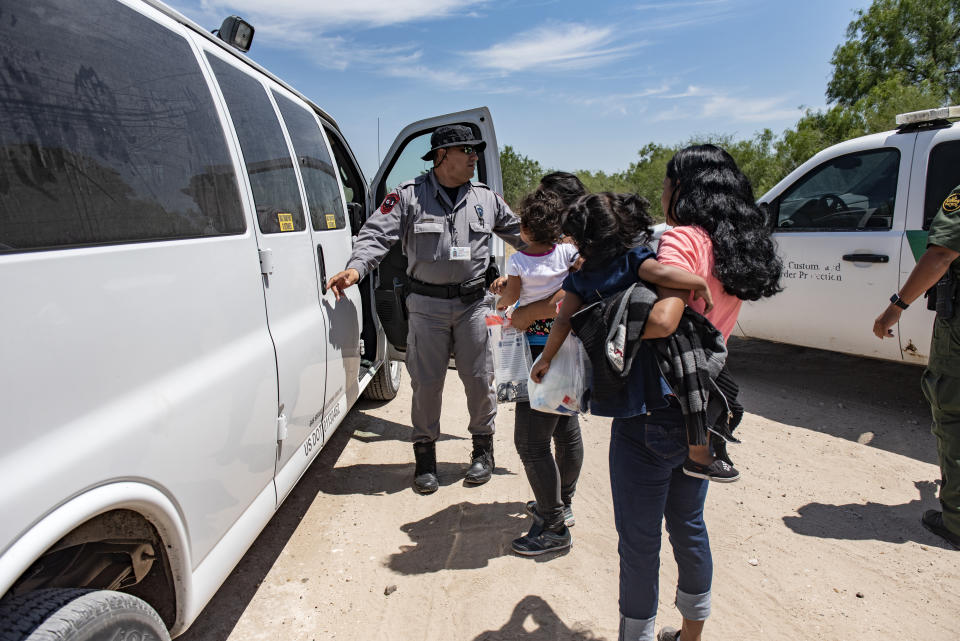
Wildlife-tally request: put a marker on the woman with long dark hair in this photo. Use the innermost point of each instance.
(721, 234)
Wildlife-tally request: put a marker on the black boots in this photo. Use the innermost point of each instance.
(481, 466)
(425, 477)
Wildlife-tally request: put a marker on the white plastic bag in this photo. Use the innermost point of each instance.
(511, 359)
(564, 386)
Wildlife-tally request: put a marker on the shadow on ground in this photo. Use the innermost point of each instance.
(892, 413)
(371, 429)
(534, 620)
(870, 521)
(465, 536)
(390, 478)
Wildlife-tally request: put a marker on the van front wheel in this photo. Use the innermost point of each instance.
(79, 615)
(385, 383)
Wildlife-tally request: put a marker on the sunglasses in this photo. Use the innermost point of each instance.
(468, 150)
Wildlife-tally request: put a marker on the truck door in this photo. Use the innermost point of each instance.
(403, 162)
(935, 175)
(838, 225)
(288, 264)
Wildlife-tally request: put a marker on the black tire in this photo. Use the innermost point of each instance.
(79, 615)
(385, 383)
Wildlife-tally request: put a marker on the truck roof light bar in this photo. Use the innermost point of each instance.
(927, 115)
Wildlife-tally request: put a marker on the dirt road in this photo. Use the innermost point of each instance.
(819, 540)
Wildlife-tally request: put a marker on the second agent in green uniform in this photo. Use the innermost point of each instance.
(939, 266)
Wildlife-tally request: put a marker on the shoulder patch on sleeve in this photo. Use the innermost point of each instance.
(389, 202)
(952, 203)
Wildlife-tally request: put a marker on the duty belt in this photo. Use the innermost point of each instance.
(451, 290)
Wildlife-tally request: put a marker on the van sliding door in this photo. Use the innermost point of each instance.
(288, 264)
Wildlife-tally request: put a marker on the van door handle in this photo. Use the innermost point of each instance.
(323, 270)
(866, 258)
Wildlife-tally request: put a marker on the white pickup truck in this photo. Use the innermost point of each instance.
(850, 224)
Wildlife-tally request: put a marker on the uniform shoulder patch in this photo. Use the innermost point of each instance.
(952, 203)
(388, 203)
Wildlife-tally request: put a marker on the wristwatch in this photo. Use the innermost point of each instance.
(896, 300)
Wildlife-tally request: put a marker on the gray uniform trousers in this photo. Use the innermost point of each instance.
(437, 327)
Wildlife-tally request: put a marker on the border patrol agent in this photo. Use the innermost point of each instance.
(939, 269)
(444, 223)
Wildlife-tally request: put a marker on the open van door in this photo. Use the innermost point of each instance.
(403, 163)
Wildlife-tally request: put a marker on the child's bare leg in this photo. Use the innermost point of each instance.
(700, 453)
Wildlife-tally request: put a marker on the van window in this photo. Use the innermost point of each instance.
(852, 192)
(265, 153)
(943, 175)
(353, 184)
(108, 131)
(319, 177)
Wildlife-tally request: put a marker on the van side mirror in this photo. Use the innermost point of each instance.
(236, 32)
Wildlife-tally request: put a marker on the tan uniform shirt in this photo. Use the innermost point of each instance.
(435, 231)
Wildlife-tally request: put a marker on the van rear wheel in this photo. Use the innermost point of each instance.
(385, 383)
(57, 614)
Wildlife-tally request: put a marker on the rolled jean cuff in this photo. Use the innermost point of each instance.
(695, 607)
(637, 629)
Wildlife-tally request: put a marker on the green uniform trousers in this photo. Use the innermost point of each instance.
(941, 386)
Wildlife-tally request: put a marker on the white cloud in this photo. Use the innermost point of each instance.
(701, 102)
(619, 103)
(675, 15)
(554, 47)
(748, 109)
(324, 14)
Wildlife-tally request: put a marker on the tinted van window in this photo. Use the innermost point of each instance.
(108, 131)
(319, 176)
(265, 152)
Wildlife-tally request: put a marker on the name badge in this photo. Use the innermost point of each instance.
(459, 253)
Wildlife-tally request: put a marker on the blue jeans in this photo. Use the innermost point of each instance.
(648, 485)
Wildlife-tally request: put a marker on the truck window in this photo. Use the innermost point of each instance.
(109, 133)
(319, 177)
(409, 163)
(265, 152)
(943, 174)
(847, 193)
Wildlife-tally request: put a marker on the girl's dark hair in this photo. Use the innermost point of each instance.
(540, 213)
(565, 185)
(711, 192)
(606, 225)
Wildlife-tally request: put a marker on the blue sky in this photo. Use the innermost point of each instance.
(574, 85)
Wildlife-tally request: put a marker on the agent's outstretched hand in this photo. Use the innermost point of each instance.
(342, 280)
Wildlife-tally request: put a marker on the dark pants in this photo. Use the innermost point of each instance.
(553, 478)
(648, 486)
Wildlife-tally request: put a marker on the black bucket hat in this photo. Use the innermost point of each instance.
(452, 136)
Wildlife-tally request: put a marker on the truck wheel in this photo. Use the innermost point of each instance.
(79, 615)
(385, 383)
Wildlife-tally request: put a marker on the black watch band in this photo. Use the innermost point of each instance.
(896, 300)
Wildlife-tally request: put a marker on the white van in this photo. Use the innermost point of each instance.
(171, 360)
(850, 224)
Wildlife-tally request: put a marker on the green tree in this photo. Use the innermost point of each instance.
(521, 175)
(913, 39)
